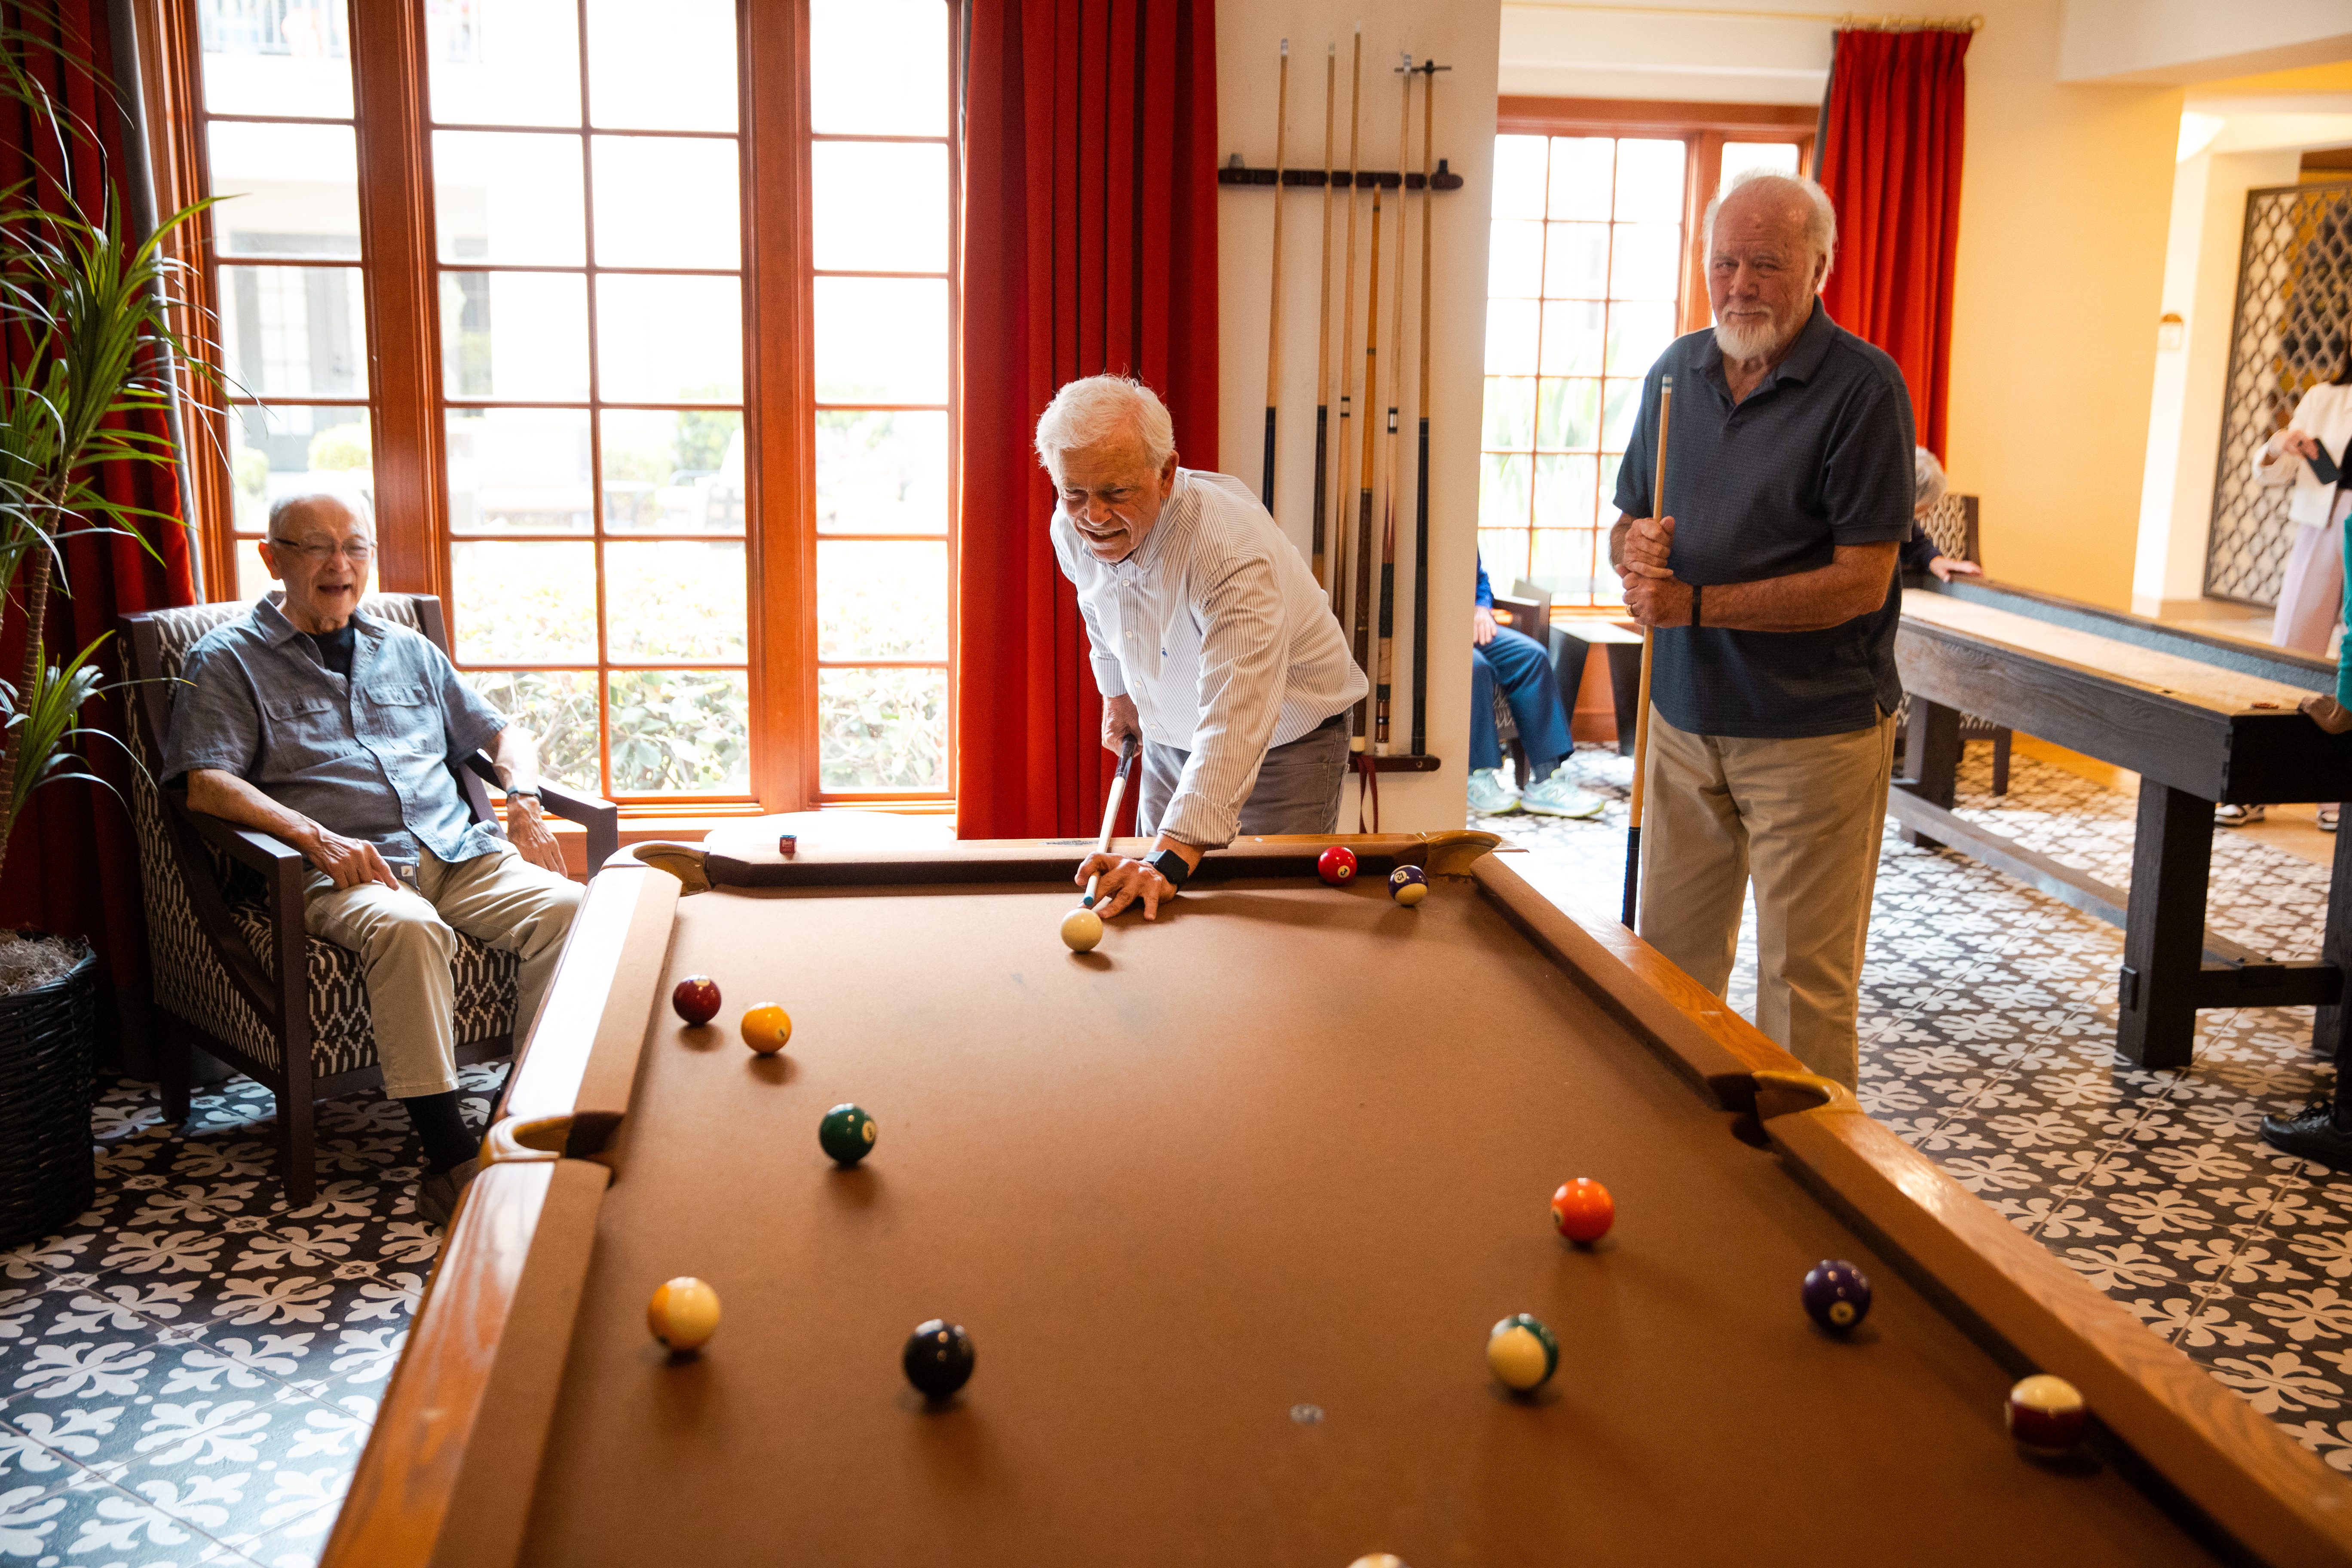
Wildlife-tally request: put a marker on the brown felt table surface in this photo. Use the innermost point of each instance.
(1289, 1146)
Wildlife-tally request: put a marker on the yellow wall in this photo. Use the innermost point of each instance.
(2065, 202)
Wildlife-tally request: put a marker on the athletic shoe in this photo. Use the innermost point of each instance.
(2328, 816)
(438, 1192)
(1555, 796)
(1489, 795)
(2237, 815)
(2312, 1134)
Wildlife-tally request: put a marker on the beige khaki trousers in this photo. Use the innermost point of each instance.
(405, 938)
(1802, 819)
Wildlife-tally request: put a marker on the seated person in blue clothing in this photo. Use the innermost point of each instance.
(1524, 666)
(335, 730)
(1919, 552)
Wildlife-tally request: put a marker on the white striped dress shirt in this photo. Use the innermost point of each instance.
(1221, 635)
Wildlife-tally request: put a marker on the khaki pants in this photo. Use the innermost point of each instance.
(1803, 818)
(405, 937)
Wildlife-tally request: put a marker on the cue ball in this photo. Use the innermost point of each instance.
(938, 1358)
(1408, 885)
(1081, 929)
(1337, 864)
(1837, 1295)
(766, 1028)
(1522, 1353)
(1583, 1210)
(1379, 1560)
(2047, 1415)
(695, 999)
(847, 1134)
(684, 1313)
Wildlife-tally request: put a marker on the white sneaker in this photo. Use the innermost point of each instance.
(1489, 795)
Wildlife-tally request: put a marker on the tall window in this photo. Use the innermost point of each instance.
(1592, 273)
(279, 138)
(695, 587)
(587, 198)
(882, 243)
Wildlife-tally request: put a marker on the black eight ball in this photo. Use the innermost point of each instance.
(938, 1358)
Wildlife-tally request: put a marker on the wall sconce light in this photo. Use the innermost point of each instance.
(2171, 331)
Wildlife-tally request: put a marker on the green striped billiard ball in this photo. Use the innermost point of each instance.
(1522, 1353)
(847, 1134)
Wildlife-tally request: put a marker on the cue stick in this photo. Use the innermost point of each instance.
(1420, 392)
(1641, 706)
(1273, 305)
(1110, 813)
(1363, 643)
(1387, 682)
(1323, 323)
(1348, 333)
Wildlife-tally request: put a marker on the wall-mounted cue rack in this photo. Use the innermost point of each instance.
(1349, 539)
(1235, 172)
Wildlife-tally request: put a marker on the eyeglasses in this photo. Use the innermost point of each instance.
(358, 552)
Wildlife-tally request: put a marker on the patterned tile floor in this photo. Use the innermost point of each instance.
(1988, 1023)
(188, 1374)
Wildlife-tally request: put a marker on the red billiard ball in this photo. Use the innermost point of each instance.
(1583, 1210)
(2047, 1415)
(695, 999)
(1336, 865)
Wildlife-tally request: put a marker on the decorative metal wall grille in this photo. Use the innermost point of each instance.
(2295, 303)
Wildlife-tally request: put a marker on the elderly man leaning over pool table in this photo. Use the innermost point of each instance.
(334, 731)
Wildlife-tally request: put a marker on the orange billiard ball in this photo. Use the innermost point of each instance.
(683, 1313)
(1583, 1210)
(766, 1027)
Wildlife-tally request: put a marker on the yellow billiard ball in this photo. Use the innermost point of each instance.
(684, 1313)
(766, 1028)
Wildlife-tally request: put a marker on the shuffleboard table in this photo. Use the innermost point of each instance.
(2201, 719)
(1228, 1207)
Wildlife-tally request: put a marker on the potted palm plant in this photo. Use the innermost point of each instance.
(86, 309)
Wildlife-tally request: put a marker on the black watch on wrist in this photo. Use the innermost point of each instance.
(1695, 594)
(1172, 865)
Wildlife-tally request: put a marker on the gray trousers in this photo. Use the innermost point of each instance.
(1298, 788)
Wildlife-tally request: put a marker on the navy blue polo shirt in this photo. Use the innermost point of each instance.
(1818, 456)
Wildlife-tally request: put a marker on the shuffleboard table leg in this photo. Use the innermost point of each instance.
(1931, 761)
(2164, 928)
(2336, 948)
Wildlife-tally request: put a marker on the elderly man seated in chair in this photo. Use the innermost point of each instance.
(336, 730)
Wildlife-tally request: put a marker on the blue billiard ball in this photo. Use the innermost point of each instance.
(1408, 885)
(1837, 1295)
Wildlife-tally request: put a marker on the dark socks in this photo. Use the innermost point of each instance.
(442, 1126)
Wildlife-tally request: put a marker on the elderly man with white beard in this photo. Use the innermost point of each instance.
(1768, 575)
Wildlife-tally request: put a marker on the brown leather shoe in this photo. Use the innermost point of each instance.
(438, 1192)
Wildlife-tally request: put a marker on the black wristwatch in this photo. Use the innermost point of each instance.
(1694, 593)
(1172, 865)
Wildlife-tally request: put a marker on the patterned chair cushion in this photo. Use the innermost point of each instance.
(191, 983)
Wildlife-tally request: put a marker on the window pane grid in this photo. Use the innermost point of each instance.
(669, 660)
(1586, 272)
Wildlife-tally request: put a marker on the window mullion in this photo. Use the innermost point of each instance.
(388, 78)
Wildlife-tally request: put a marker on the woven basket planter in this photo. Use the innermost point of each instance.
(47, 1044)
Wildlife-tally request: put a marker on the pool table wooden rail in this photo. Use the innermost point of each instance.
(448, 1473)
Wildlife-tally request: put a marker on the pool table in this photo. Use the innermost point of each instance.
(1228, 1206)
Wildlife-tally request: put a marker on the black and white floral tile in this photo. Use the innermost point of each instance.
(1988, 1028)
(188, 1373)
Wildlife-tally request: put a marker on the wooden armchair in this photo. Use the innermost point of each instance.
(234, 971)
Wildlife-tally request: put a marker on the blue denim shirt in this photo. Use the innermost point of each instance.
(367, 758)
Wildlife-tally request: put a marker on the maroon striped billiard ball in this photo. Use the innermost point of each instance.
(1336, 865)
(2047, 1415)
(695, 999)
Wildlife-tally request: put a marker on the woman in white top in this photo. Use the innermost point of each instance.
(2311, 595)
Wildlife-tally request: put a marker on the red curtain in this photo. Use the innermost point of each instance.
(73, 864)
(1090, 245)
(1891, 162)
